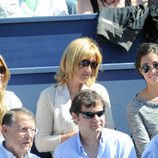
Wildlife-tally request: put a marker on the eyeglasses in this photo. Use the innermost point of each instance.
(25, 130)
(86, 63)
(146, 67)
(2, 70)
(89, 115)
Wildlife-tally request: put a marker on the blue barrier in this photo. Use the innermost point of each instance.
(29, 44)
(32, 48)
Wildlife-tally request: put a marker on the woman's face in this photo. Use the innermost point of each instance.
(149, 68)
(85, 69)
(2, 73)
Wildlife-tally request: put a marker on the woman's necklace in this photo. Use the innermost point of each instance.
(106, 2)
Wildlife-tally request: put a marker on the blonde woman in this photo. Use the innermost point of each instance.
(8, 99)
(78, 70)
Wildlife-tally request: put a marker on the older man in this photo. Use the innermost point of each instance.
(18, 129)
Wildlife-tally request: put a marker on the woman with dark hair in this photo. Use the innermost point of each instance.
(143, 108)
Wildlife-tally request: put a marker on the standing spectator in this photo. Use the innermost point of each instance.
(143, 108)
(94, 6)
(18, 129)
(29, 8)
(78, 70)
(93, 140)
(8, 99)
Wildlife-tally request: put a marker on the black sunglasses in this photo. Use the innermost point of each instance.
(2, 70)
(86, 63)
(89, 115)
(146, 67)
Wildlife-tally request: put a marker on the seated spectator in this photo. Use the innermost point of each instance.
(93, 140)
(29, 8)
(8, 99)
(18, 129)
(151, 150)
(71, 5)
(142, 110)
(78, 70)
(94, 6)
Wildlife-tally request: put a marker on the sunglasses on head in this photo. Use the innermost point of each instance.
(146, 67)
(86, 63)
(89, 115)
(2, 70)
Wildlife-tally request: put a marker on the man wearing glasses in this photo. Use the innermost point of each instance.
(93, 140)
(18, 129)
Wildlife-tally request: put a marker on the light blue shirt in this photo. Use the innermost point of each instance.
(113, 144)
(151, 150)
(4, 153)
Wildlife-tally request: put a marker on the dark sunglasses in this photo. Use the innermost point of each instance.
(89, 115)
(2, 70)
(86, 63)
(147, 67)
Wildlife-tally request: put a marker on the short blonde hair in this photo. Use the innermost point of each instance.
(77, 50)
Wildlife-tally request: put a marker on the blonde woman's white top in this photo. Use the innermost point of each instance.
(53, 117)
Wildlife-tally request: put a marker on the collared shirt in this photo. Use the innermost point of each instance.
(113, 144)
(4, 153)
(53, 117)
(151, 150)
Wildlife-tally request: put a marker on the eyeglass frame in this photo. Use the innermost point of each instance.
(86, 63)
(25, 130)
(92, 114)
(153, 66)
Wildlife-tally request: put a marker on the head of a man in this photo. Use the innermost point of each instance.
(87, 110)
(18, 129)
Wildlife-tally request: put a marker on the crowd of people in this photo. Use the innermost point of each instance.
(31, 8)
(74, 116)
